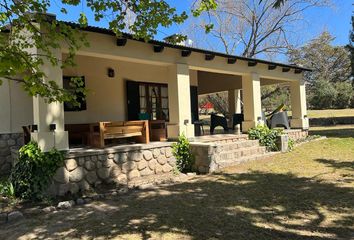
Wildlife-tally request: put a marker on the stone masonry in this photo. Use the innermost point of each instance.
(7, 142)
(296, 134)
(127, 166)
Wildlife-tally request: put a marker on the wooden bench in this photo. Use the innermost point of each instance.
(99, 132)
(78, 133)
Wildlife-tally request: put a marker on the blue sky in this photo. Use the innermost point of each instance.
(335, 19)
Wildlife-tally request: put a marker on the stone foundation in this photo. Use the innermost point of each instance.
(214, 156)
(124, 165)
(7, 142)
(296, 134)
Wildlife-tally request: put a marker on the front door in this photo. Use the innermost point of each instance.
(147, 101)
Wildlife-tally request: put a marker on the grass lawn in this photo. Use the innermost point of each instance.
(334, 131)
(305, 194)
(331, 113)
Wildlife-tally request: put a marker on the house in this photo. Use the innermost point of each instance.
(120, 74)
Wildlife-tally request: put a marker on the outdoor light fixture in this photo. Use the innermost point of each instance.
(34, 127)
(305, 116)
(52, 127)
(110, 72)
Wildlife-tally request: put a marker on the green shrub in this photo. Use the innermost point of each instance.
(267, 137)
(34, 171)
(291, 144)
(183, 155)
(7, 189)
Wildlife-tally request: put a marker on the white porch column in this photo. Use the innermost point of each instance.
(234, 98)
(45, 114)
(252, 107)
(179, 102)
(238, 108)
(298, 105)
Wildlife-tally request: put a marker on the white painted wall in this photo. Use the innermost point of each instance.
(16, 108)
(106, 100)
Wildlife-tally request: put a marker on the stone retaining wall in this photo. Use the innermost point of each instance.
(206, 156)
(330, 121)
(297, 134)
(7, 142)
(125, 166)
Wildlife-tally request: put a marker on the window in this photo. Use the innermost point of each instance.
(69, 107)
(154, 101)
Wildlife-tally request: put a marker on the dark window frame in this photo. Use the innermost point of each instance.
(148, 108)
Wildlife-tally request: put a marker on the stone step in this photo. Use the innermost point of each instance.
(221, 138)
(238, 145)
(242, 152)
(227, 163)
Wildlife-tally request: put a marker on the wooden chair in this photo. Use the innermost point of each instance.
(216, 121)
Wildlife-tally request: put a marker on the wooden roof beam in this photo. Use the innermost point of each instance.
(121, 42)
(272, 66)
(158, 48)
(209, 57)
(231, 60)
(252, 63)
(186, 53)
(286, 69)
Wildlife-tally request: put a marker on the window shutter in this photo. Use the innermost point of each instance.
(133, 104)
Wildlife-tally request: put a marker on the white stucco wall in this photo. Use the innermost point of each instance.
(16, 109)
(106, 100)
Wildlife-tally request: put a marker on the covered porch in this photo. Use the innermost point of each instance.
(131, 80)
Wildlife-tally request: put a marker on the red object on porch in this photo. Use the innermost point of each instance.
(208, 105)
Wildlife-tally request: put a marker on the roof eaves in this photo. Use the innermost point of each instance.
(181, 47)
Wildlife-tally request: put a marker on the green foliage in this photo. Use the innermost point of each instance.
(322, 95)
(291, 144)
(34, 171)
(328, 83)
(267, 137)
(183, 155)
(24, 31)
(325, 94)
(273, 95)
(7, 189)
(345, 95)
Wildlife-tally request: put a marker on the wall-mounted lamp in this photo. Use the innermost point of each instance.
(34, 127)
(305, 116)
(110, 72)
(52, 127)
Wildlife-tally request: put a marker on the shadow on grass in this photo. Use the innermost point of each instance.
(335, 132)
(255, 205)
(346, 165)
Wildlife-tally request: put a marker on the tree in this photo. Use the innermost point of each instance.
(251, 28)
(331, 71)
(17, 64)
(277, 3)
(328, 62)
(351, 48)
